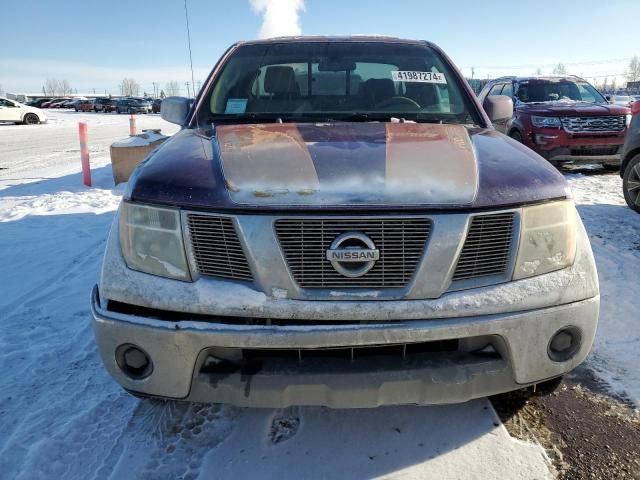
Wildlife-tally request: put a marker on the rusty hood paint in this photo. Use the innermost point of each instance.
(344, 166)
(350, 163)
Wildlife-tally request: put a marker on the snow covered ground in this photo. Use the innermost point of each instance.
(61, 416)
(614, 231)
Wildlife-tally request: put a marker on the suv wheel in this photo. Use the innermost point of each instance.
(631, 183)
(516, 136)
(31, 119)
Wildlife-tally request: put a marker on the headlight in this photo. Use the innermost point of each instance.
(628, 118)
(547, 239)
(546, 122)
(151, 241)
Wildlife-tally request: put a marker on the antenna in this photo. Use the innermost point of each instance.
(186, 16)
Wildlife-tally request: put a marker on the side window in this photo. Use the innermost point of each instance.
(508, 90)
(497, 88)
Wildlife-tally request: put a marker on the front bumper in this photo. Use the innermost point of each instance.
(558, 146)
(180, 349)
(225, 319)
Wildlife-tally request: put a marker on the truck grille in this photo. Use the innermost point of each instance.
(614, 123)
(216, 248)
(487, 248)
(401, 242)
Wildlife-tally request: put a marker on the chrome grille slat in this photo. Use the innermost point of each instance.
(401, 242)
(613, 123)
(487, 248)
(216, 247)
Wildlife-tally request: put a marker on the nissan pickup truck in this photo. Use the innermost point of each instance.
(338, 223)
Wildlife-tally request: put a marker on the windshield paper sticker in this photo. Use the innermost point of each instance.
(421, 77)
(236, 105)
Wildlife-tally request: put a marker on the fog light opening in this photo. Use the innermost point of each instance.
(564, 344)
(134, 362)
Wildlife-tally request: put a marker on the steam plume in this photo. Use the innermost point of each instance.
(279, 17)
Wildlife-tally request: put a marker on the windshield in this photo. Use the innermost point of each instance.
(560, 90)
(338, 81)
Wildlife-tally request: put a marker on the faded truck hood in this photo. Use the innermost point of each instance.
(344, 166)
(350, 163)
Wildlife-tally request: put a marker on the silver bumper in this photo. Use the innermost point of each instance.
(179, 350)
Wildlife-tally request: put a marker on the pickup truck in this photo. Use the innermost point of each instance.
(338, 223)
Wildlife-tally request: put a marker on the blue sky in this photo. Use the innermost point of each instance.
(94, 44)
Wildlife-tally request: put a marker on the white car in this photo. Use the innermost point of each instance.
(11, 111)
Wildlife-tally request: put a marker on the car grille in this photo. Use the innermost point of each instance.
(401, 242)
(487, 248)
(216, 248)
(594, 124)
(589, 151)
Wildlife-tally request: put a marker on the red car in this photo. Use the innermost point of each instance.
(562, 118)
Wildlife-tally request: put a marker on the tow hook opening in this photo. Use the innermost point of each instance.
(134, 362)
(564, 344)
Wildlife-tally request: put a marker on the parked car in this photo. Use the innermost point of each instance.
(562, 118)
(132, 105)
(155, 106)
(356, 239)
(630, 167)
(38, 102)
(71, 103)
(48, 103)
(16, 112)
(623, 100)
(104, 104)
(58, 103)
(83, 106)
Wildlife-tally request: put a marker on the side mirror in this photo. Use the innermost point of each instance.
(498, 107)
(175, 109)
(607, 98)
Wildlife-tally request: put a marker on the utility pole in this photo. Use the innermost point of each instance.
(155, 89)
(188, 91)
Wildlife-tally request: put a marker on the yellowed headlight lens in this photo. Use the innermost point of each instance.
(547, 239)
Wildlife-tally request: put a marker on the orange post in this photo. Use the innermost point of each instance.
(84, 154)
(132, 125)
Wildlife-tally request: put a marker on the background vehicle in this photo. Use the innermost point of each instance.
(69, 103)
(83, 106)
(48, 103)
(562, 118)
(58, 103)
(104, 104)
(623, 100)
(630, 167)
(155, 106)
(11, 111)
(38, 102)
(133, 105)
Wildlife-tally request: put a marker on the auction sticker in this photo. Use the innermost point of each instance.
(422, 77)
(236, 105)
